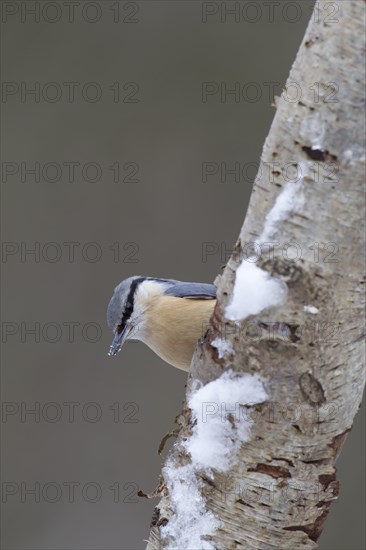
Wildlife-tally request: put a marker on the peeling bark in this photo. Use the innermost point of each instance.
(280, 490)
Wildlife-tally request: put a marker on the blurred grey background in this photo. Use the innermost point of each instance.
(117, 130)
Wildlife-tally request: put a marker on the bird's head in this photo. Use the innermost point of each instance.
(126, 309)
(121, 313)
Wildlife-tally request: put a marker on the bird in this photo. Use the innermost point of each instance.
(168, 316)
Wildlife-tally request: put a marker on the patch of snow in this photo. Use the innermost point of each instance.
(219, 431)
(290, 200)
(191, 520)
(311, 309)
(223, 347)
(254, 291)
(220, 426)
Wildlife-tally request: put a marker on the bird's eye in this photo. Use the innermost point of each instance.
(119, 328)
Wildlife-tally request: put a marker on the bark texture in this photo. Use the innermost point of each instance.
(279, 492)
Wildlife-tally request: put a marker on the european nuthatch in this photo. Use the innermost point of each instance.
(165, 314)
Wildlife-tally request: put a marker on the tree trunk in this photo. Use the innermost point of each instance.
(309, 352)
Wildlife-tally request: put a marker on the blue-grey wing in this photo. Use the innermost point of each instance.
(198, 291)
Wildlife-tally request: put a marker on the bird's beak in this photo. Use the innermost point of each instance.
(118, 341)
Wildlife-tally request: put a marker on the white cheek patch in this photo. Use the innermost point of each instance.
(146, 293)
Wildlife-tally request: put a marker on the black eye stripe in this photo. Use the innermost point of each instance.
(128, 309)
